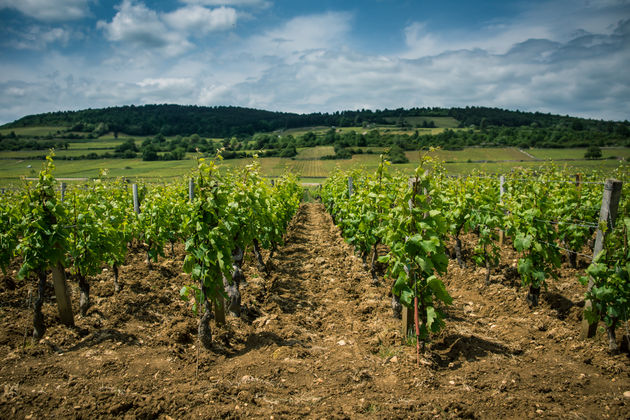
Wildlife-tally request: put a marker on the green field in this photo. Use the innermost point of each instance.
(314, 152)
(32, 131)
(308, 167)
(440, 122)
(31, 154)
(578, 153)
(474, 154)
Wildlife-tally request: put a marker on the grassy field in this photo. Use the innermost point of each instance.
(577, 153)
(440, 122)
(314, 152)
(310, 169)
(31, 154)
(473, 154)
(32, 131)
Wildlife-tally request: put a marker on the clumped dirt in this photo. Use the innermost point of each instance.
(316, 338)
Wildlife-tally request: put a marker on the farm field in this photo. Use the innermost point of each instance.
(307, 164)
(12, 170)
(33, 154)
(440, 122)
(578, 153)
(473, 154)
(315, 339)
(314, 152)
(32, 131)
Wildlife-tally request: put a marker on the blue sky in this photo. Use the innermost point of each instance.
(559, 56)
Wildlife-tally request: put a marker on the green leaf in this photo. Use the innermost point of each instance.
(406, 296)
(431, 316)
(183, 293)
(522, 243)
(525, 266)
(439, 290)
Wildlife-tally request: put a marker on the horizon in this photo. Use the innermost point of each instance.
(551, 56)
(308, 113)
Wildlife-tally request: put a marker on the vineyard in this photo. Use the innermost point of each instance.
(543, 214)
(223, 296)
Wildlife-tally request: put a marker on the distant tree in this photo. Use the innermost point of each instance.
(593, 152)
(309, 139)
(149, 154)
(129, 144)
(577, 125)
(622, 130)
(288, 151)
(483, 124)
(397, 155)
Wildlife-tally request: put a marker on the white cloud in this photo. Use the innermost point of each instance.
(304, 33)
(197, 19)
(419, 42)
(579, 77)
(137, 25)
(39, 38)
(307, 65)
(245, 3)
(49, 10)
(166, 83)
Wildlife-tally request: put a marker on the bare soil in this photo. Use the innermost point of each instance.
(316, 338)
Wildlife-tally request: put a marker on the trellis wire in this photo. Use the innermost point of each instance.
(551, 222)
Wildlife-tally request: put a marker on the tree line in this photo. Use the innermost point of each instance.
(229, 121)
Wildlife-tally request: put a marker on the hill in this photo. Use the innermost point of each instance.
(227, 121)
(173, 132)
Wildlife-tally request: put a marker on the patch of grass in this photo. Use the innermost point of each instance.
(472, 154)
(372, 408)
(387, 352)
(314, 152)
(33, 154)
(310, 171)
(32, 131)
(440, 122)
(578, 153)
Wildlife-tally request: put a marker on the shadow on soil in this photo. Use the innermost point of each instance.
(457, 348)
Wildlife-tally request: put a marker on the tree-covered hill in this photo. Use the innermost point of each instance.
(227, 121)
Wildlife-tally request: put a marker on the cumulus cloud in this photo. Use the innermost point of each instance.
(235, 3)
(199, 20)
(137, 25)
(584, 76)
(307, 64)
(49, 10)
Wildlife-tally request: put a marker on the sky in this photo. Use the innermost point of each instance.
(558, 56)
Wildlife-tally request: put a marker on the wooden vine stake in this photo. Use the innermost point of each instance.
(63, 191)
(64, 305)
(408, 313)
(501, 192)
(136, 202)
(219, 311)
(607, 217)
(191, 189)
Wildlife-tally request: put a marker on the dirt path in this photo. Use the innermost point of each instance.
(316, 339)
